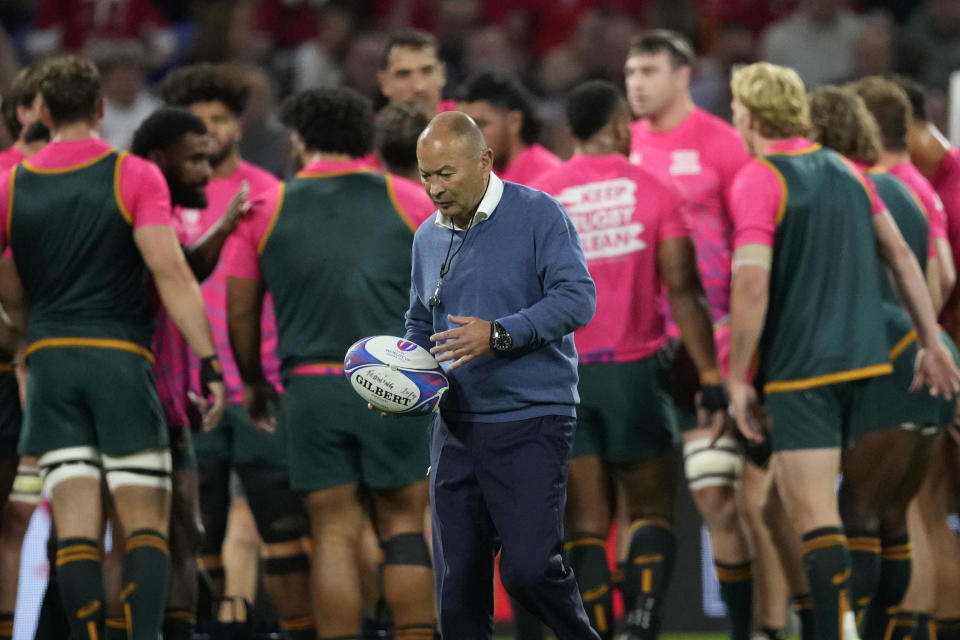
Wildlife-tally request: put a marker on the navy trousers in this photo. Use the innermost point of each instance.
(502, 484)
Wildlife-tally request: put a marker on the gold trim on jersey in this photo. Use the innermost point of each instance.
(904, 342)
(96, 343)
(334, 173)
(13, 183)
(281, 190)
(74, 167)
(814, 146)
(784, 190)
(116, 188)
(395, 201)
(872, 371)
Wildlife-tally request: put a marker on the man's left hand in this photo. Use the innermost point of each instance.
(468, 341)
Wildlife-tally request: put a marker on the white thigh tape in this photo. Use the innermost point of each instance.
(68, 463)
(27, 486)
(144, 469)
(706, 466)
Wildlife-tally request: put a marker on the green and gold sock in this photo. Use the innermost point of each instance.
(178, 624)
(864, 548)
(587, 555)
(736, 589)
(146, 568)
(803, 607)
(653, 548)
(895, 560)
(300, 628)
(81, 587)
(948, 628)
(827, 564)
(6, 625)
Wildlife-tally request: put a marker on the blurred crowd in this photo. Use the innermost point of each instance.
(551, 45)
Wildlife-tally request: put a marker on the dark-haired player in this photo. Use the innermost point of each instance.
(895, 428)
(506, 115)
(334, 250)
(177, 142)
(398, 126)
(411, 70)
(636, 242)
(701, 153)
(893, 112)
(21, 116)
(217, 94)
(87, 225)
(806, 296)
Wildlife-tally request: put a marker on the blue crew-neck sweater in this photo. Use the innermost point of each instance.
(524, 267)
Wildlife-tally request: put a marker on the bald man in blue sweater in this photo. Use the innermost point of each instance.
(499, 285)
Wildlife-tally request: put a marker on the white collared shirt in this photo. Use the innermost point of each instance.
(491, 198)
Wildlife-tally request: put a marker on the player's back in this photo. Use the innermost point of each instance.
(702, 155)
(621, 211)
(337, 260)
(72, 242)
(824, 314)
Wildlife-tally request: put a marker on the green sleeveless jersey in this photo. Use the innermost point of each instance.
(824, 323)
(72, 239)
(909, 216)
(337, 261)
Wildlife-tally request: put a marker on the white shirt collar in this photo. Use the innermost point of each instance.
(491, 198)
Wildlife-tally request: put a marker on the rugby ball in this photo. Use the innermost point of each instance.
(395, 375)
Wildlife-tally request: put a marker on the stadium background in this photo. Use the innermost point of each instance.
(552, 45)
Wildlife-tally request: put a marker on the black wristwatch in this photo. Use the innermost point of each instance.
(500, 340)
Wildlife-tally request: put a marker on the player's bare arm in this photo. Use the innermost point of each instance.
(933, 283)
(677, 266)
(244, 310)
(180, 294)
(935, 366)
(749, 297)
(204, 254)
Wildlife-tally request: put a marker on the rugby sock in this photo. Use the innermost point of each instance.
(587, 555)
(52, 622)
(300, 628)
(116, 629)
(948, 629)
(651, 556)
(803, 607)
(146, 568)
(6, 625)
(926, 628)
(81, 587)
(864, 547)
(736, 589)
(178, 624)
(827, 564)
(901, 625)
(894, 579)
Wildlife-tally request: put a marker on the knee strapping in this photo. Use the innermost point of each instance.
(143, 469)
(67, 464)
(706, 466)
(27, 485)
(407, 549)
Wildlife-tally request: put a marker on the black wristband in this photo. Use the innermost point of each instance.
(210, 371)
(713, 397)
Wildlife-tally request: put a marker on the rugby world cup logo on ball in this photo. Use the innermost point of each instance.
(395, 375)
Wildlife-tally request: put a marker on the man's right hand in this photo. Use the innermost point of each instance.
(214, 411)
(935, 369)
(747, 411)
(237, 208)
(257, 400)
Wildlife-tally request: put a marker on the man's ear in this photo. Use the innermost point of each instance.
(158, 157)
